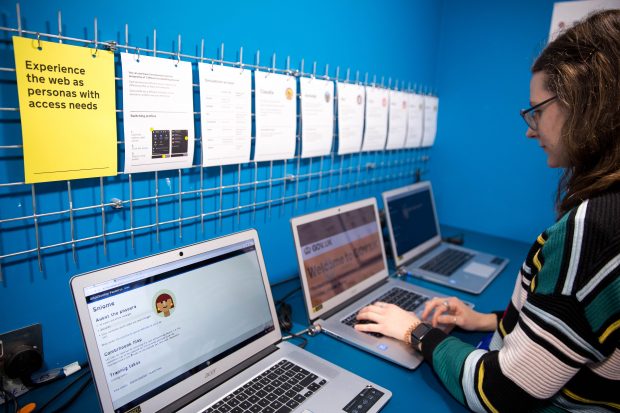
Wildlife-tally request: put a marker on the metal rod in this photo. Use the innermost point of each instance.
(36, 227)
(157, 204)
(238, 193)
(180, 204)
(255, 181)
(95, 36)
(101, 193)
(270, 185)
(133, 245)
(71, 224)
(221, 186)
(59, 27)
(19, 19)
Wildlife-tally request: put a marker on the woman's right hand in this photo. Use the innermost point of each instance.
(452, 311)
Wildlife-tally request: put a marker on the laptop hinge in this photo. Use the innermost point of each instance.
(353, 299)
(221, 379)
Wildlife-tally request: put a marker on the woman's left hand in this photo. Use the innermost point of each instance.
(387, 319)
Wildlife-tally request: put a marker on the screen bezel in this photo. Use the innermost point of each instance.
(425, 246)
(341, 298)
(159, 401)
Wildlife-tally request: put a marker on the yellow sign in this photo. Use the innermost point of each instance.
(67, 109)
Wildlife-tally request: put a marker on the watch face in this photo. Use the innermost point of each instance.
(419, 332)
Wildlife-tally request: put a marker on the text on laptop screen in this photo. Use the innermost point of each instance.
(413, 220)
(159, 326)
(339, 252)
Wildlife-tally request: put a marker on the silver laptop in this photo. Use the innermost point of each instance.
(343, 267)
(417, 247)
(195, 330)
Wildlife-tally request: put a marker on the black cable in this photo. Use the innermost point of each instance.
(287, 295)
(64, 389)
(304, 341)
(75, 395)
(285, 281)
(300, 336)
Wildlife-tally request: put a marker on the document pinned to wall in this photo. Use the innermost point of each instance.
(376, 119)
(566, 13)
(397, 123)
(276, 116)
(415, 122)
(431, 104)
(158, 113)
(225, 114)
(67, 108)
(351, 99)
(317, 116)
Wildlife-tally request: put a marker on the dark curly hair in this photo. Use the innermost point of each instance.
(583, 69)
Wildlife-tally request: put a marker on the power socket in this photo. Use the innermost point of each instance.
(17, 347)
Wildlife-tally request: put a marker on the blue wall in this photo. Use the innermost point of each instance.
(487, 176)
(397, 39)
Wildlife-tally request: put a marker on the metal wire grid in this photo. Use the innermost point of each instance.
(214, 193)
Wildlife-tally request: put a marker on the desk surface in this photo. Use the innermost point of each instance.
(419, 388)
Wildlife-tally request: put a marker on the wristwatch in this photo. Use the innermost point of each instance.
(418, 334)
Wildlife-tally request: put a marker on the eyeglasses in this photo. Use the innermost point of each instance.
(530, 116)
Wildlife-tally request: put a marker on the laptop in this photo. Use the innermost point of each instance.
(417, 247)
(343, 267)
(195, 330)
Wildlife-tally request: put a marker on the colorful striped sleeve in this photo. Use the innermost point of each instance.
(556, 347)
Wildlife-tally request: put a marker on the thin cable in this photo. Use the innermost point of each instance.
(285, 280)
(299, 335)
(75, 395)
(57, 395)
(287, 295)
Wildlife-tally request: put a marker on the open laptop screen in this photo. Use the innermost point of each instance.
(413, 220)
(158, 326)
(339, 251)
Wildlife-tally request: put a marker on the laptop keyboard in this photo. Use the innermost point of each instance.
(446, 262)
(405, 299)
(279, 389)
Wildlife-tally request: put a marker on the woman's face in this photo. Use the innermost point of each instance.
(550, 119)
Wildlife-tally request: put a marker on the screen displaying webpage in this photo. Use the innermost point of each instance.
(339, 252)
(412, 219)
(155, 328)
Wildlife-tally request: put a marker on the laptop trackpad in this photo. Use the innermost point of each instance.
(478, 269)
(317, 367)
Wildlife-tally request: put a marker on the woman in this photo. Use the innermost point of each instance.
(556, 347)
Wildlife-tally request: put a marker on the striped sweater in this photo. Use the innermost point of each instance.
(557, 346)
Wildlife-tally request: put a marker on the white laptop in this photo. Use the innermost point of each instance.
(195, 330)
(417, 247)
(343, 267)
